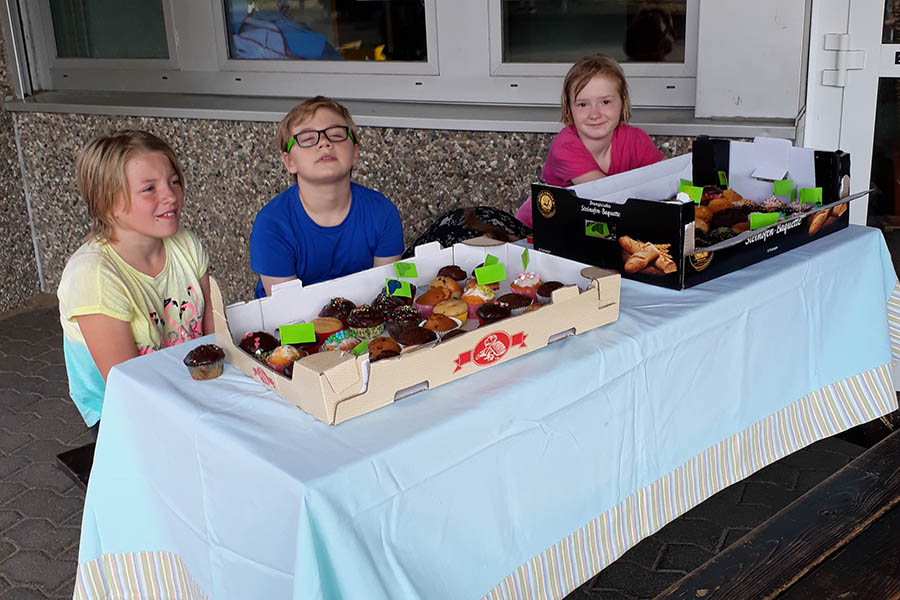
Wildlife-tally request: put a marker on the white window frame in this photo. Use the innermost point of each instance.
(463, 66)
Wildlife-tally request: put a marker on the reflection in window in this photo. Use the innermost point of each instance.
(109, 28)
(326, 29)
(566, 30)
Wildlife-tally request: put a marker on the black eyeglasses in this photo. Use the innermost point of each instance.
(308, 139)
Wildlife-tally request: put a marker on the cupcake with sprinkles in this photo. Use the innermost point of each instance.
(526, 283)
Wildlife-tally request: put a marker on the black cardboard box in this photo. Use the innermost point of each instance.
(592, 222)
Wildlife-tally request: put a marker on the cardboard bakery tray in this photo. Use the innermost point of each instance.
(600, 221)
(334, 387)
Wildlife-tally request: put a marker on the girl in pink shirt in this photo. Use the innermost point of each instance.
(596, 140)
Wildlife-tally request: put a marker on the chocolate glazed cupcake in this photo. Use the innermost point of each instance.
(337, 308)
(402, 317)
(414, 336)
(516, 303)
(366, 322)
(258, 344)
(206, 361)
(453, 272)
(492, 312)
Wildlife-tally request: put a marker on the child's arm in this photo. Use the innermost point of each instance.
(209, 325)
(109, 340)
(589, 176)
(385, 260)
(268, 282)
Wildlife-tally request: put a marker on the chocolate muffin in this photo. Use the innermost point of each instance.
(206, 361)
(453, 272)
(258, 344)
(545, 290)
(402, 317)
(338, 308)
(492, 312)
(383, 347)
(727, 218)
(413, 336)
(365, 322)
(385, 304)
(452, 334)
(515, 302)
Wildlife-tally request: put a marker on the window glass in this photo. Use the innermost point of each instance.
(565, 30)
(109, 28)
(326, 29)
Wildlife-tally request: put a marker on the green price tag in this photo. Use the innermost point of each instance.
(407, 270)
(298, 333)
(490, 274)
(596, 229)
(783, 187)
(685, 183)
(490, 259)
(696, 193)
(793, 194)
(760, 220)
(361, 348)
(723, 179)
(811, 196)
(525, 260)
(396, 287)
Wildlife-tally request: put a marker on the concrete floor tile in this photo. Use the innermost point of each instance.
(11, 464)
(57, 408)
(701, 532)
(768, 494)
(645, 553)
(15, 401)
(24, 593)
(42, 475)
(632, 579)
(9, 491)
(682, 558)
(8, 517)
(43, 450)
(52, 429)
(730, 536)
(12, 441)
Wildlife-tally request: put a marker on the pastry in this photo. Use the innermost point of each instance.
(325, 326)
(452, 334)
(456, 309)
(342, 341)
(338, 308)
(702, 212)
(385, 304)
(206, 361)
(545, 291)
(282, 356)
(450, 284)
(475, 295)
(640, 259)
(453, 272)
(526, 283)
(515, 302)
(440, 323)
(493, 286)
(414, 336)
(718, 204)
(365, 322)
(383, 347)
(492, 312)
(402, 317)
(727, 218)
(425, 303)
(259, 344)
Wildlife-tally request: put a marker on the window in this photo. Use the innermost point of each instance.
(506, 52)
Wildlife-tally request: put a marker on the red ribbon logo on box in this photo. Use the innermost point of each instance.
(263, 376)
(490, 349)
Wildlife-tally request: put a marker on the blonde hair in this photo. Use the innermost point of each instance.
(100, 172)
(306, 110)
(580, 75)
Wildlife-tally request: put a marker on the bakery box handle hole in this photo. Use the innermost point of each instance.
(409, 391)
(561, 335)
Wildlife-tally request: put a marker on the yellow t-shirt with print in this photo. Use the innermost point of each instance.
(163, 310)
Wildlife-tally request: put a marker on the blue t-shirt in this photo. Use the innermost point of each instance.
(286, 242)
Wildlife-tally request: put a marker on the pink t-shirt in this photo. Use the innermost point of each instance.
(568, 158)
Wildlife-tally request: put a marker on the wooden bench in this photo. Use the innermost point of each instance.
(840, 540)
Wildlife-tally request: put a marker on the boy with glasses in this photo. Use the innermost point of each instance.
(323, 226)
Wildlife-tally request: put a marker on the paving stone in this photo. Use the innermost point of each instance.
(30, 350)
(43, 450)
(768, 494)
(31, 567)
(11, 441)
(9, 490)
(701, 532)
(807, 479)
(21, 382)
(683, 558)
(17, 364)
(44, 476)
(45, 504)
(777, 473)
(70, 553)
(645, 553)
(11, 464)
(58, 408)
(15, 422)
(4, 586)
(606, 594)
(24, 593)
(16, 401)
(812, 458)
(633, 579)
(41, 534)
(50, 429)
(730, 536)
(56, 386)
(8, 517)
(728, 514)
(65, 591)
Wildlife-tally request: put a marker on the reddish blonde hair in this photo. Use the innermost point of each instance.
(580, 75)
(100, 173)
(306, 110)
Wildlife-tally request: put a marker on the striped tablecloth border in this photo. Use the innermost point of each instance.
(563, 567)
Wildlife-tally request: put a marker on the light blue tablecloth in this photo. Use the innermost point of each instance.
(443, 494)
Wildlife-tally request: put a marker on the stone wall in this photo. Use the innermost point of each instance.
(232, 170)
(19, 279)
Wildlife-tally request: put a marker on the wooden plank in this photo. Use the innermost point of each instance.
(868, 567)
(775, 555)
